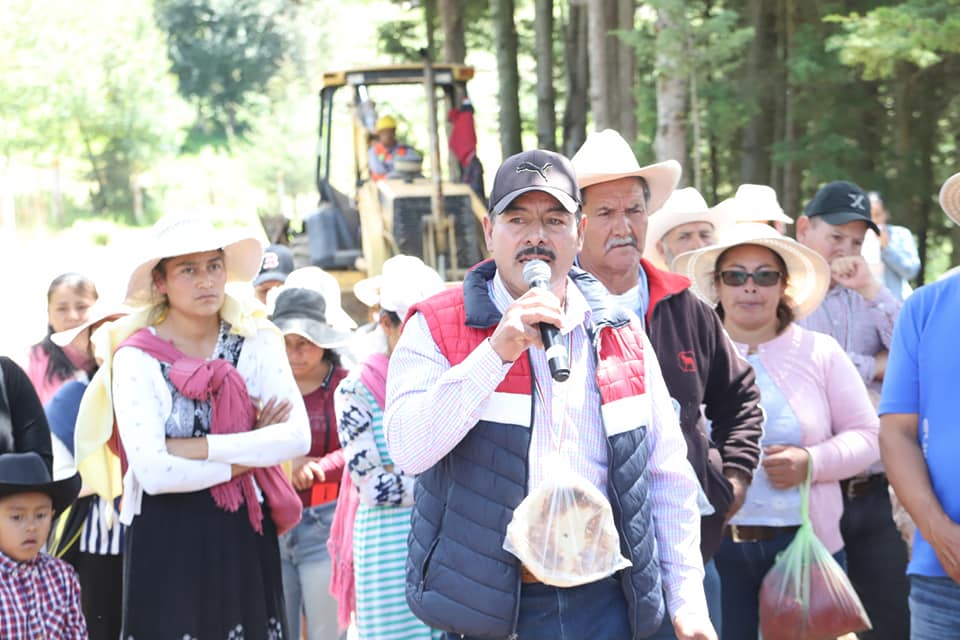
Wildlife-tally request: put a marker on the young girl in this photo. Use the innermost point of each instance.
(203, 495)
(69, 298)
(301, 314)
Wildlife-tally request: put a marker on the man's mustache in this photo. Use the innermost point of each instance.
(543, 252)
(613, 243)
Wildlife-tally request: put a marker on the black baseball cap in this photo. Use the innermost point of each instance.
(536, 170)
(840, 202)
(276, 264)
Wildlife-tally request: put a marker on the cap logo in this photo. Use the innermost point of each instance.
(270, 261)
(529, 166)
(856, 201)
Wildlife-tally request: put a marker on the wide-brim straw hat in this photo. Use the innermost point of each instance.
(950, 197)
(682, 207)
(179, 236)
(753, 203)
(97, 315)
(606, 156)
(325, 283)
(808, 274)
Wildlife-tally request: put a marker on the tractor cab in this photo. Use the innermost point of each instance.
(421, 208)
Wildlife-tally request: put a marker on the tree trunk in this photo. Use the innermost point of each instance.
(600, 64)
(759, 84)
(451, 22)
(626, 72)
(577, 69)
(790, 196)
(546, 94)
(505, 40)
(671, 139)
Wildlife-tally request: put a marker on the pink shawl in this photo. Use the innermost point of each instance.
(232, 411)
(373, 375)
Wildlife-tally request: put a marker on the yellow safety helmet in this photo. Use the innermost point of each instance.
(386, 122)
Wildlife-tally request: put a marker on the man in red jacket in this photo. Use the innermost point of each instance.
(705, 375)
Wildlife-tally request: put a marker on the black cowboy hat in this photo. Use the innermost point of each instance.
(26, 473)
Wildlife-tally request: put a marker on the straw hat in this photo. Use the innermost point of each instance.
(606, 156)
(367, 290)
(316, 279)
(950, 197)
(682, 207)
(808, 274)
(178, 236)
(753, 203)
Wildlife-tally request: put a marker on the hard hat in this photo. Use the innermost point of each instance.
(386, 122)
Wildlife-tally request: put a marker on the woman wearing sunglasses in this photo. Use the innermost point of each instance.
(818, 413)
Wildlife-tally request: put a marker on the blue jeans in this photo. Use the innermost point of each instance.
(305, 563)
(595, 611)
(934, 608)
(743, 565)
(711, 588)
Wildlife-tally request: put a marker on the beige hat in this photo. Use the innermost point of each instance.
(316, 279)
(177, 236)
(808, 274)
(606, 156)
(96, 315)
(753, 203)
(682, 207)
(950, 197)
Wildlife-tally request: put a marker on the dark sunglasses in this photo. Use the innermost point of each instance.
(762, 278)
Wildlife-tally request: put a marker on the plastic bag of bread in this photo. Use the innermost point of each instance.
(563, 531)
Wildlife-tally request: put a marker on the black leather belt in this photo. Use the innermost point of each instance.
(758, 533)
(859, 486)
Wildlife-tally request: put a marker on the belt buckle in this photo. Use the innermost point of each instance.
(852, 484)
(735, 534)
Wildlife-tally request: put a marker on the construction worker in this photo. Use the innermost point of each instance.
(386, 148)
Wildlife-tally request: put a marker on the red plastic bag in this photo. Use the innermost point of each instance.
(806, 595)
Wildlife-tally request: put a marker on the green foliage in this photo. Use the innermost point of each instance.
(918, 32)
(224, 53)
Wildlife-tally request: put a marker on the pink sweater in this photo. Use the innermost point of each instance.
(837, 419)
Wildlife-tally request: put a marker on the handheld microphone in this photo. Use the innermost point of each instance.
(536, 274)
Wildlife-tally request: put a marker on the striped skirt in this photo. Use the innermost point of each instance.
(379, 556)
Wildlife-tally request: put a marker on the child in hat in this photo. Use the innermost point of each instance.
(39, 594)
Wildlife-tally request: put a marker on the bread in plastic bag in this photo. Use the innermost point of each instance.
(563, 532)
(806, 595)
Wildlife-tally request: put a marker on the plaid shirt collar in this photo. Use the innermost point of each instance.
(9, 566)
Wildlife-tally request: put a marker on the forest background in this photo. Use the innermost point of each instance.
(115, 112)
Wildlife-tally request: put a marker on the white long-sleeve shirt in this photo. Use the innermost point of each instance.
(143, 405)
(431, 406)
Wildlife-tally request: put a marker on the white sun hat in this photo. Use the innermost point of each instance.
(367, 290)
(606, 156)
(405, 281)
(950, 197)
(325, 283)
(753, 203)
(808, 274)
(98, 314)
(177, 236)
(682, 207)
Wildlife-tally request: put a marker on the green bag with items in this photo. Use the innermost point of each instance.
(806, 595)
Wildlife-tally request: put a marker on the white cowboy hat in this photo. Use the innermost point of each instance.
(606, 156)
(753, 203)
(808, 274)
(682, 207)
(317, 279)
(950, 197)
(179, 236)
